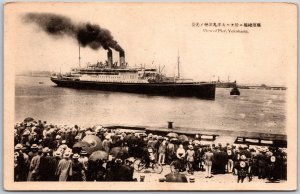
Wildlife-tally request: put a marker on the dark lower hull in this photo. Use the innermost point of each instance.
(199, 90)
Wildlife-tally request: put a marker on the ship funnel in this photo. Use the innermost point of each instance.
(109, 57)
(122, 58)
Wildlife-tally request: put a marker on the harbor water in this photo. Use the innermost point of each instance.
(254, 110)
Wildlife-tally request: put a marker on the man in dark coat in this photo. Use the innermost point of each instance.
(261, 164)
(45, 164)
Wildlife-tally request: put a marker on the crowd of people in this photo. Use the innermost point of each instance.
(47, 152)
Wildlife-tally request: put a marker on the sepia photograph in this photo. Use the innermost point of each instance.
(148, 96)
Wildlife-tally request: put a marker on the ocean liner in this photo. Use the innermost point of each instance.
(109, 76)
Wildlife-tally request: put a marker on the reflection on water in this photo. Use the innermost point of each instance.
(254, 110)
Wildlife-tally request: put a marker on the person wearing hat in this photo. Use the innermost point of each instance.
(208, 158)
(106, 144)
(119, 171)
(78, 169)
(261, 163)
(272, 174)
(33, 174)
(56, 142)
(47, 141)
(170, 152)
(180, 154)
(162, 152)
(230, 159)
(190, 157)
(83, 159)
(236, 160)
(34, 139)
(25, 137)
(34, 148)
(242, 169)
(57, 156)
(46, 130)
(63, 145)
(45, 170)
(64, 169)
(20, 164)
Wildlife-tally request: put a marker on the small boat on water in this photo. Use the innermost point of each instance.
(41, 82)
(235, 91)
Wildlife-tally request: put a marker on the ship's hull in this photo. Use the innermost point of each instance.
(199, 90)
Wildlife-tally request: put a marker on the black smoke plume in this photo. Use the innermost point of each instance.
(86, 34)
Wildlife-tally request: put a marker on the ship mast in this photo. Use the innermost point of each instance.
(79, 54)
(178, 64)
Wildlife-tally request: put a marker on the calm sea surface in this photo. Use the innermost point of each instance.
(254, 110)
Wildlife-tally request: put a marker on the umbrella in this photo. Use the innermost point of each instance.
(172, 135)
(28, 119)
(98, 155)
(81, 144)
(183, 138)
(95, 143)
(118, 151)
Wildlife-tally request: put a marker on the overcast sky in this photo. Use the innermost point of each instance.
(154, 33)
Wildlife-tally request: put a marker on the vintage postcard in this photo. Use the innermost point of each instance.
(149, 96)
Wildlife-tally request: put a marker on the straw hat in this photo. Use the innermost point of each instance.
(46, 150)
(26, 132)
(57, 137)
(75, 156)
(34, 146)
(18, 146)
(83, 152)
(57, 154)
(118, 161)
